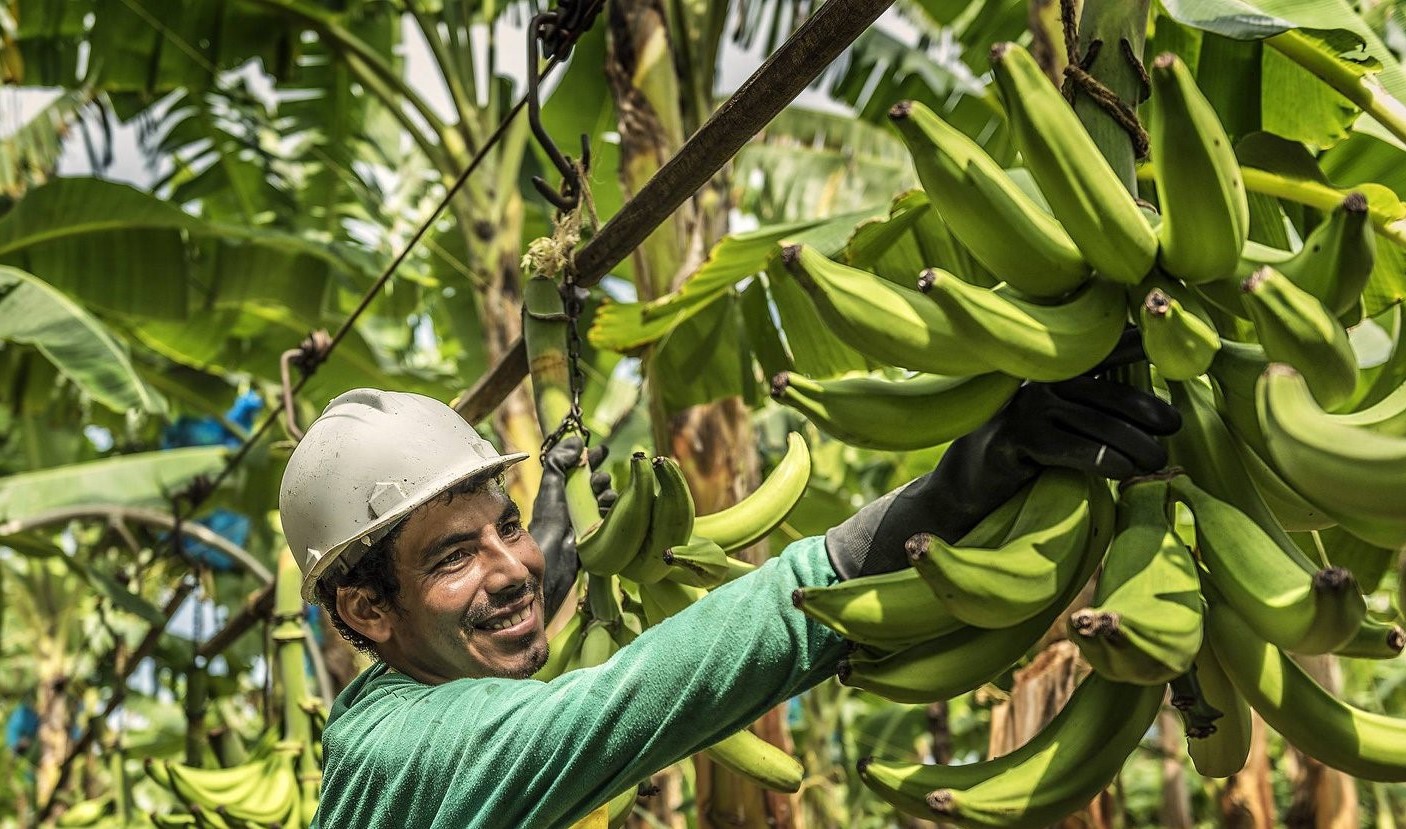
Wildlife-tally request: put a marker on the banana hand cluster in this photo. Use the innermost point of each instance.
(649, 557)
(988, 616)
(265, 791)
(651, 532)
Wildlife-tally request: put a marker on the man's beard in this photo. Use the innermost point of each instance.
(535, 655)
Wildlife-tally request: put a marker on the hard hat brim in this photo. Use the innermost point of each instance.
(335, 553)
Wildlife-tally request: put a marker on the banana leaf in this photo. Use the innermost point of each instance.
(78, 344)
(105, 244)
(141, 479)
(1244, 20)
(629, 326)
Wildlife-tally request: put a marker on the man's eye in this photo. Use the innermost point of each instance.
(452, 558)
(510, 529)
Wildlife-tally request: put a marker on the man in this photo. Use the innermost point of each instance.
(393, 507)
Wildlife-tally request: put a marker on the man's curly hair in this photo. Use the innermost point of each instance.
(375, 570)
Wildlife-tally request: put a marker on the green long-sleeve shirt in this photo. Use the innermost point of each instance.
(523, 753)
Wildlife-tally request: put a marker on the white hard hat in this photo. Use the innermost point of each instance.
(364, 464)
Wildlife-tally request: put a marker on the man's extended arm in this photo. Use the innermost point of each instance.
(525, 753)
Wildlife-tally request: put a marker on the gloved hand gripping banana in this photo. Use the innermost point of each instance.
(1088, 425)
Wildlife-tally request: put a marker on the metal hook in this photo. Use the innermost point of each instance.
(545, 27)
(307, 356)
(574, 18)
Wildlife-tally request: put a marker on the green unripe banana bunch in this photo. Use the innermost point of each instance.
(654, 513)
(1290, 442)
(652, 537)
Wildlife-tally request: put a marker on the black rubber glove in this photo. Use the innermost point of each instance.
(551, 523)
(1083, 423)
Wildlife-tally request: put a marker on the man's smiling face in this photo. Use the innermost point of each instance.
(470, 592)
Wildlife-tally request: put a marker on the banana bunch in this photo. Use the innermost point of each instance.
(651, 533)
(1058, 771)
(649, 557)
(1289, 476)
(989, 598)
(264, 791)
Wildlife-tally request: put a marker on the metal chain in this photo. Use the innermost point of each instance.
(575, 302)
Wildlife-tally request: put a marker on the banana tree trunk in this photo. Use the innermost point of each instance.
(1176, 799)
(1323, 798)
(1247, 801)
(655, 93)
(55, 726)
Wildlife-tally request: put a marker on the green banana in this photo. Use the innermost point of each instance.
(608, 546)
(1205, 213)
(892, 611)
(1401, 588)
(757, 760)
(1145, 623)
(670, 523)
(1354, 474)
(1224, 751)
(1252, 484)
(664, 598)
(882, 320)
(888, 612)
(700, 563)
(1205, 448)
(1363, 744)
(1236, 370)
(1027, 339)
(754, 517)
(1001, 586)
(896, 415)
(1385, 417)
(1224, 296)
(1375, 639)
(1084, 193)
(1005, 229)
(1368, 562)
(1337, 257)
(1294, 513)
(212, 787)
(86, 812)
(1285, 603)
(1295, 328)
(1179, 343)
(264, 792)
(1058, 771)
(737, 568)
(953, 664)
(562, 647)
(597, 644)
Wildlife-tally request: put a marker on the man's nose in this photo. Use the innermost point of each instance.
(507, 570)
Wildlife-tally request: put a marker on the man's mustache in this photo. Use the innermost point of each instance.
(480, 613)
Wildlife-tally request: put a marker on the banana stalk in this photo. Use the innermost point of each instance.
(1362, 89)
(544, 332)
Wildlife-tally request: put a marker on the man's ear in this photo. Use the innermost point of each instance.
(363, 614)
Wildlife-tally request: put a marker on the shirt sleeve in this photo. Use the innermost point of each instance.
(529, 753)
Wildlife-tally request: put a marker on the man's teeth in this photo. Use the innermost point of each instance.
(510, 621)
